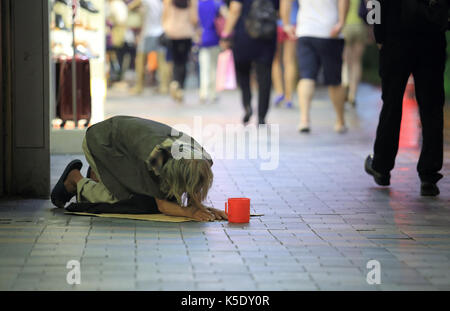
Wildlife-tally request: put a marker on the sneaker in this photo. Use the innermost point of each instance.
(380, 179)
(248, 114)
(289, 104)
(278, 100)
(340, 129)
(179, 96)
(304, 128)
(173, 88)
(428, 189)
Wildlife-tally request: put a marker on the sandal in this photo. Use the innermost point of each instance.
(60, 196)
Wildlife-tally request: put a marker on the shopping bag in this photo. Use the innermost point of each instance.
(225, 75)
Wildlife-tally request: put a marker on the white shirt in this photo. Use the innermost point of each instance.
(316, 18)
(153, 14)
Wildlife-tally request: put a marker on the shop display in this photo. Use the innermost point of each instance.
(77, 29)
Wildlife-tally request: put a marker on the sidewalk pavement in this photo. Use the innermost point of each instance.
(324, 218)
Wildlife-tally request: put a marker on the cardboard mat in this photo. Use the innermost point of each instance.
(146, 217)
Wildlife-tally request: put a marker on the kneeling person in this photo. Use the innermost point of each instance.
(130, 156)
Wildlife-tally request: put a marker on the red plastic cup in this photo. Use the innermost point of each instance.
(238, 210)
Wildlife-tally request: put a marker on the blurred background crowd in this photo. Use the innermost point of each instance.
(170, 45)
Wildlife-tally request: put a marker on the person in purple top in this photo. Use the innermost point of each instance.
(208, 11)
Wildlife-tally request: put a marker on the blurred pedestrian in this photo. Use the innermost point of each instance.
(411, 38)
(148, 39)
(208, 12)
(320, 44)
(116, 20)
(355, 34)
(284, 69)
(251, 27)
(180, 18)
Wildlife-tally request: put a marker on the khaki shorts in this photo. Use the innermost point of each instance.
(355, 34)
(89, 190)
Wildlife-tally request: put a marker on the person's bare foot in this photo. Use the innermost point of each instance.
(340, 128)
(71, 181)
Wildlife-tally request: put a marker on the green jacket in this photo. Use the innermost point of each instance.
(129, 153)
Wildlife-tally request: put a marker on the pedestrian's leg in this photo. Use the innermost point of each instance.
(395, 68)
(337, 96)
(177, 55)
(290, 70)
(140, 73)
(309, 64)
(185, 48)
(163, 73)
(264, 76)
(204, 63)
(346, 65)
(305, 90)
(243, 80)
(277, 75)
(331, 54)
(429, 82)
(355, 70)
(214, 55)
(176, 74)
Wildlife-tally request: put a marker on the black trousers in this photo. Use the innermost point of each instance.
(424, 58)
(264, 79)
(180, 52)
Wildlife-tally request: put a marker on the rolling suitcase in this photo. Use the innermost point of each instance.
(64, 107)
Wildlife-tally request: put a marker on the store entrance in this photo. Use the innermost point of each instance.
(77, 28)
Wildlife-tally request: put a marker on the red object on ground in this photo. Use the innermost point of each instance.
(238, 210)
(410, 126)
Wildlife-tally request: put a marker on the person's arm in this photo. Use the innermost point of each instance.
(193, 14)
(173, 209)
(285, 15)
(166, 8)
(343, 6)
(234, 12)
(232, 17)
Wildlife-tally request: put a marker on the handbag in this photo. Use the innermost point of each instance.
(225, 74)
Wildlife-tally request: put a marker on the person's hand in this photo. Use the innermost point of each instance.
(198, 36)
(224, 44)
(379, 46)
(336, 30)
(290, 31)
(202, 214)
(220, 215)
